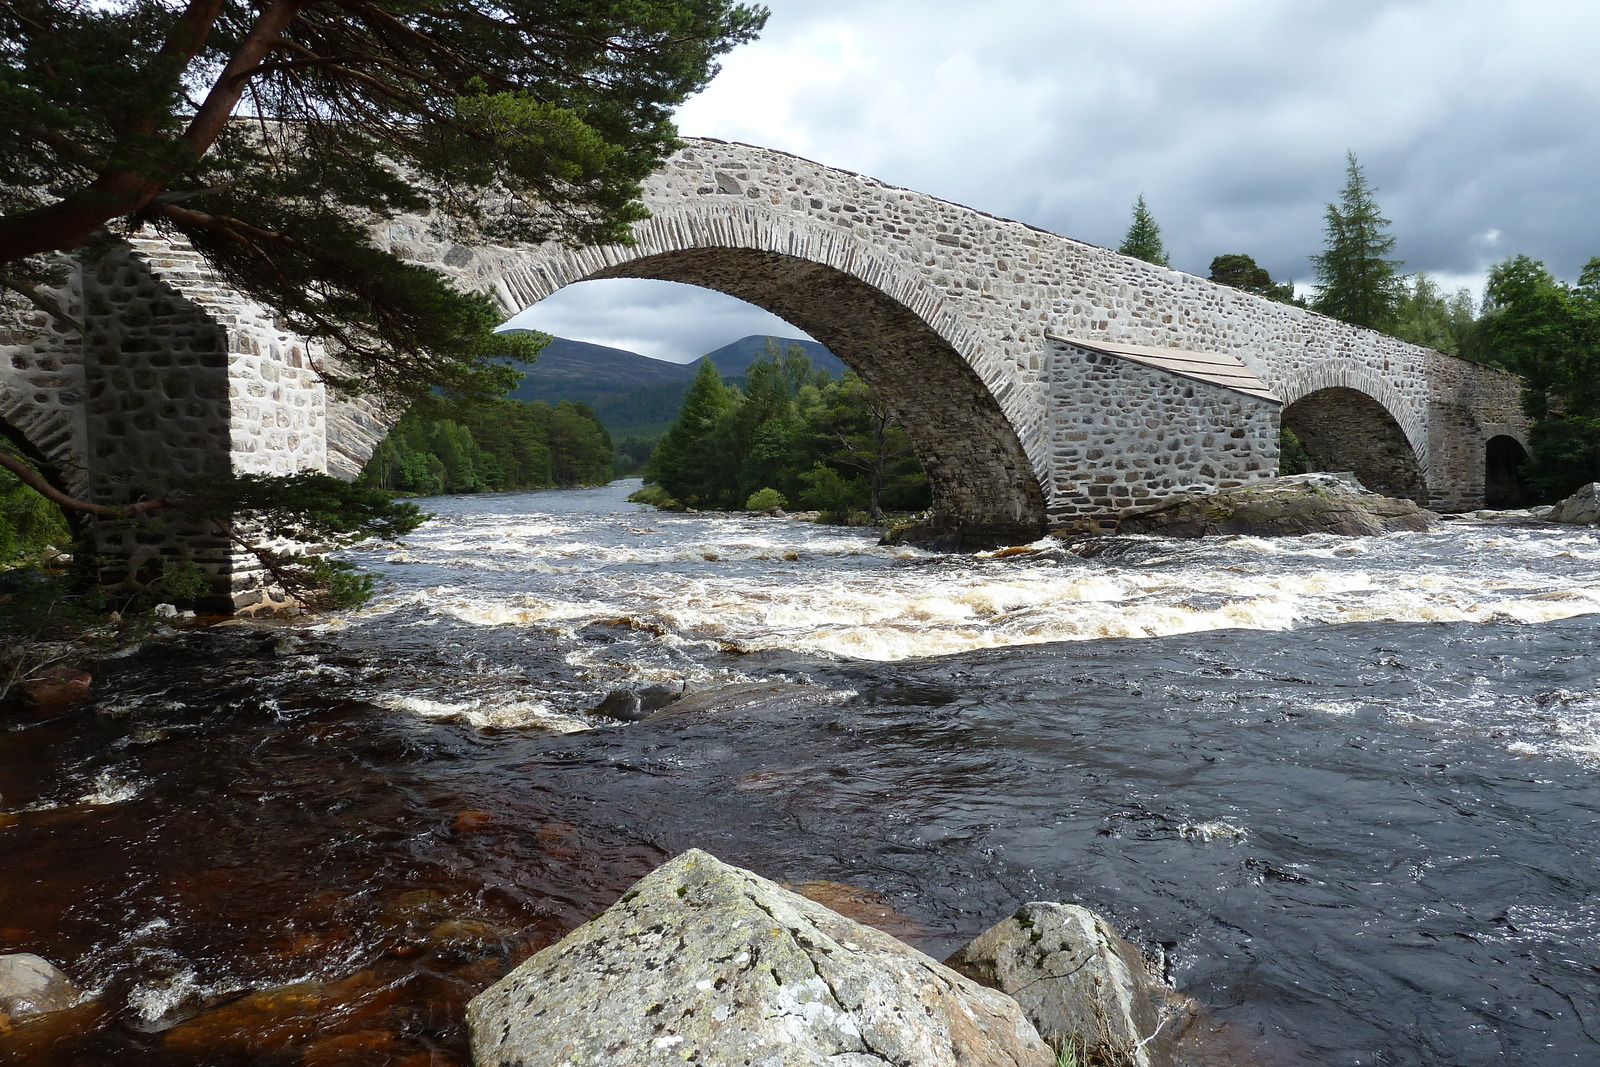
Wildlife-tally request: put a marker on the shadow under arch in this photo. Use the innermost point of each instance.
(1344, 429)
(1503, 487)
(985, 488)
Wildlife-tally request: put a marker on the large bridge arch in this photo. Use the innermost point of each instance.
(967, 420)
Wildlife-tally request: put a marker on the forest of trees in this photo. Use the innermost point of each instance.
(492, 445)
(791, 436)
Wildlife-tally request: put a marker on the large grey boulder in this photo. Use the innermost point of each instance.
(701, 962)
(1080, 984)
(1581, 508)
(1278, 507)
(32, 985)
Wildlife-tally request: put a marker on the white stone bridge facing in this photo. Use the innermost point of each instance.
(1031, 370)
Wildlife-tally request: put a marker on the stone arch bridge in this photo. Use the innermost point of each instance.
(1044, 381)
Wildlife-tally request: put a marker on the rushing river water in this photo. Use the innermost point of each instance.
(1344, 788)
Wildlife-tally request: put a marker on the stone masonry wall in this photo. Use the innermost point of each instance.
(176, 376)
(1470, 405)
(1125, 435)
(41, 379)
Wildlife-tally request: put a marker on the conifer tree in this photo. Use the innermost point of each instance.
(691, 462)
(1143, 239)
(1242, 272)
(1357, 282)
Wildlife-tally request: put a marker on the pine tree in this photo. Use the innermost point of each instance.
(276, 137)
(1143, 239)
(1357, 283)
(691, 462)
(1242, 272)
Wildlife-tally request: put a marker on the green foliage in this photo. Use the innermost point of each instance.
(521, 121)
(773, 434)
(632, 453)
(768, 499)
(1426, 316)
(491, 446)
(694, 461)
(656, 497)
(868, 440)
(831, 494)
(1357, 283)
(1242, 272)
(1143, 239)
(28, 523)
(1549, 332)
(1292, 458)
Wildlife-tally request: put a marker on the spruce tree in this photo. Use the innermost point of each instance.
(691, 462)
(1143, 239)
(1356, 281)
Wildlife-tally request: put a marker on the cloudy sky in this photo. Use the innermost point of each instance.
(1477, 121)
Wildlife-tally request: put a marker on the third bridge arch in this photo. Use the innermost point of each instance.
(971, 326)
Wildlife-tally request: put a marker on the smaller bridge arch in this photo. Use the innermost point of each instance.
(1342, 428)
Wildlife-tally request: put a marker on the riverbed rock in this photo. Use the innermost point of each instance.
(1080, 984)
(632, 705)
(1580, 509)
(31, 985)
(1279, 507)
(57, 689)
(701, 962)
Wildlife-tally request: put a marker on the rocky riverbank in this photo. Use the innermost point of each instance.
(1281, 507)
(708, 963)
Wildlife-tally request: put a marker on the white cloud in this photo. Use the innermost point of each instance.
(664, 320)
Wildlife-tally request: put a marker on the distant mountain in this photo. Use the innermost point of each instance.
(634, 395)
(736, 358)
(569, 370)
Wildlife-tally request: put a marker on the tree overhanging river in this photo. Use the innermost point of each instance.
(1344, 788)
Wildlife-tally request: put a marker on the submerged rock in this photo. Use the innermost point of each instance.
(31, 985)
(1581, 508)
(1280, 507)
(1080, 984)
(631, 705)
(701, 962)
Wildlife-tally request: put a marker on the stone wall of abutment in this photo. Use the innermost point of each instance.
(1469, 405)
(1125, 435)
(42, 385)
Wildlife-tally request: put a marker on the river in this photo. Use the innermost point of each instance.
(1344, 789)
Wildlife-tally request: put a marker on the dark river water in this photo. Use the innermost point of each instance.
(1345, 789)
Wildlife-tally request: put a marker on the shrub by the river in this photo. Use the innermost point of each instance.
(767, 500)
